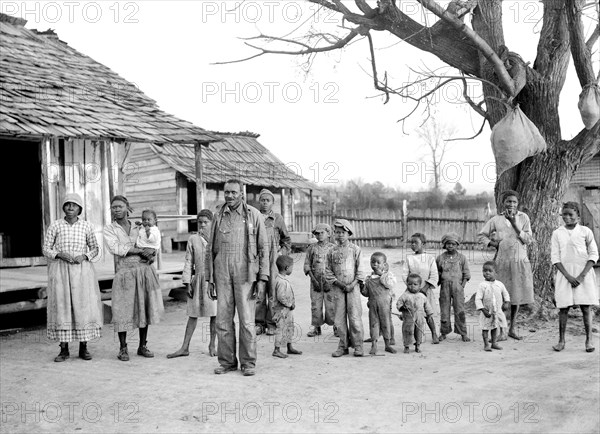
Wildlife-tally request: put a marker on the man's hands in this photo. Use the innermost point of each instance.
(189, 291)
(259, 288)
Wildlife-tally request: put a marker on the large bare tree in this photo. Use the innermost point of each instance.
(478, 52)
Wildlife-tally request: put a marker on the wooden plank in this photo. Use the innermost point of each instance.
(167, 186)
(93, 202)
(62, 183)
(48, 196)
(78, 162)
(21, 262)
(199, 176)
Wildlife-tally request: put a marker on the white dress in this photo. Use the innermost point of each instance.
(425, 266)
(574, 248)
(491, 295)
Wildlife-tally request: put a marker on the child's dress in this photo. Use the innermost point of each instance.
(416, 309)
(453, 270)
(425, 266)
(379, 291)
(200, 305)
(574, 248)
(283, 300)
(152, 241)
(512, 263)
(491, 295)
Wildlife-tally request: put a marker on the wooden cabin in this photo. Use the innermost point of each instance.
(67, 124)
(585, 190)
(163, 178)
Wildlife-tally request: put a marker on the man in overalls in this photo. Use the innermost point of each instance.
(237, 269)
(279, 243)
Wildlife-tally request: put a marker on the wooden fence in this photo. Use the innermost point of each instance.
(434, 223)
(376, 228)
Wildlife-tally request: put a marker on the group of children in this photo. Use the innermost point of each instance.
(336, 269)
(337, 283)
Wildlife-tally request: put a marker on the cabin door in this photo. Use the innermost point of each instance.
(21, 219)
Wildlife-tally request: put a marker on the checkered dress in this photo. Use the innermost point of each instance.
(73, 239)
(74, 306)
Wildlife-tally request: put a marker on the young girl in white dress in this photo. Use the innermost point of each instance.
(574, 252)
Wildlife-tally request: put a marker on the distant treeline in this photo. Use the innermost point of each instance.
(356, 194)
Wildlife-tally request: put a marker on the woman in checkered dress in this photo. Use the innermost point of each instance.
(74, 308)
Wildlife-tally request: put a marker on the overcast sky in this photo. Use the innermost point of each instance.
(329, 123)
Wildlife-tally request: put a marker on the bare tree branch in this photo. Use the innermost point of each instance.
(582, 57)
(476, 107)
(309, 50)
(383, 88)
(504, 77)
(593, 38)
(585, 145)
(472, 137)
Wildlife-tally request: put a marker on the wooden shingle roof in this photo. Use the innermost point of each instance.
(49, 88)
(239, 156)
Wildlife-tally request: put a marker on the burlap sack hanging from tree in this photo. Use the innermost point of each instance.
(589, 105)
(515, 138)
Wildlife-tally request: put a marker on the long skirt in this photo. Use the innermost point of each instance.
(136, 296)
(74, 309)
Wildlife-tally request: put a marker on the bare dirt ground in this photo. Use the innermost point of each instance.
(454, 386)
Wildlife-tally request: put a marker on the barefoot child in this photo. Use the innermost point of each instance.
(199, 303)
(415, 308)
(320, 291)
(424, 265)
(343, 273)
(454, 274)
(283, 305)
(378, 288)
(490, 298)
(149, 236)
(574, 253)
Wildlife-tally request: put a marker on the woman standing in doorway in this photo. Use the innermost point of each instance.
(136, 295)
(74, 307)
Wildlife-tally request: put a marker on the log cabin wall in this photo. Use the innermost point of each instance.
(151, 184)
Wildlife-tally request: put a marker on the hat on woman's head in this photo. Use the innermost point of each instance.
(450, 236)
(73, 198)
(123, 199)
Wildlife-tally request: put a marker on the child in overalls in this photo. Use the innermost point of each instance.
(454, 273)
(343, 273)
(320, 291)
(378, 288)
